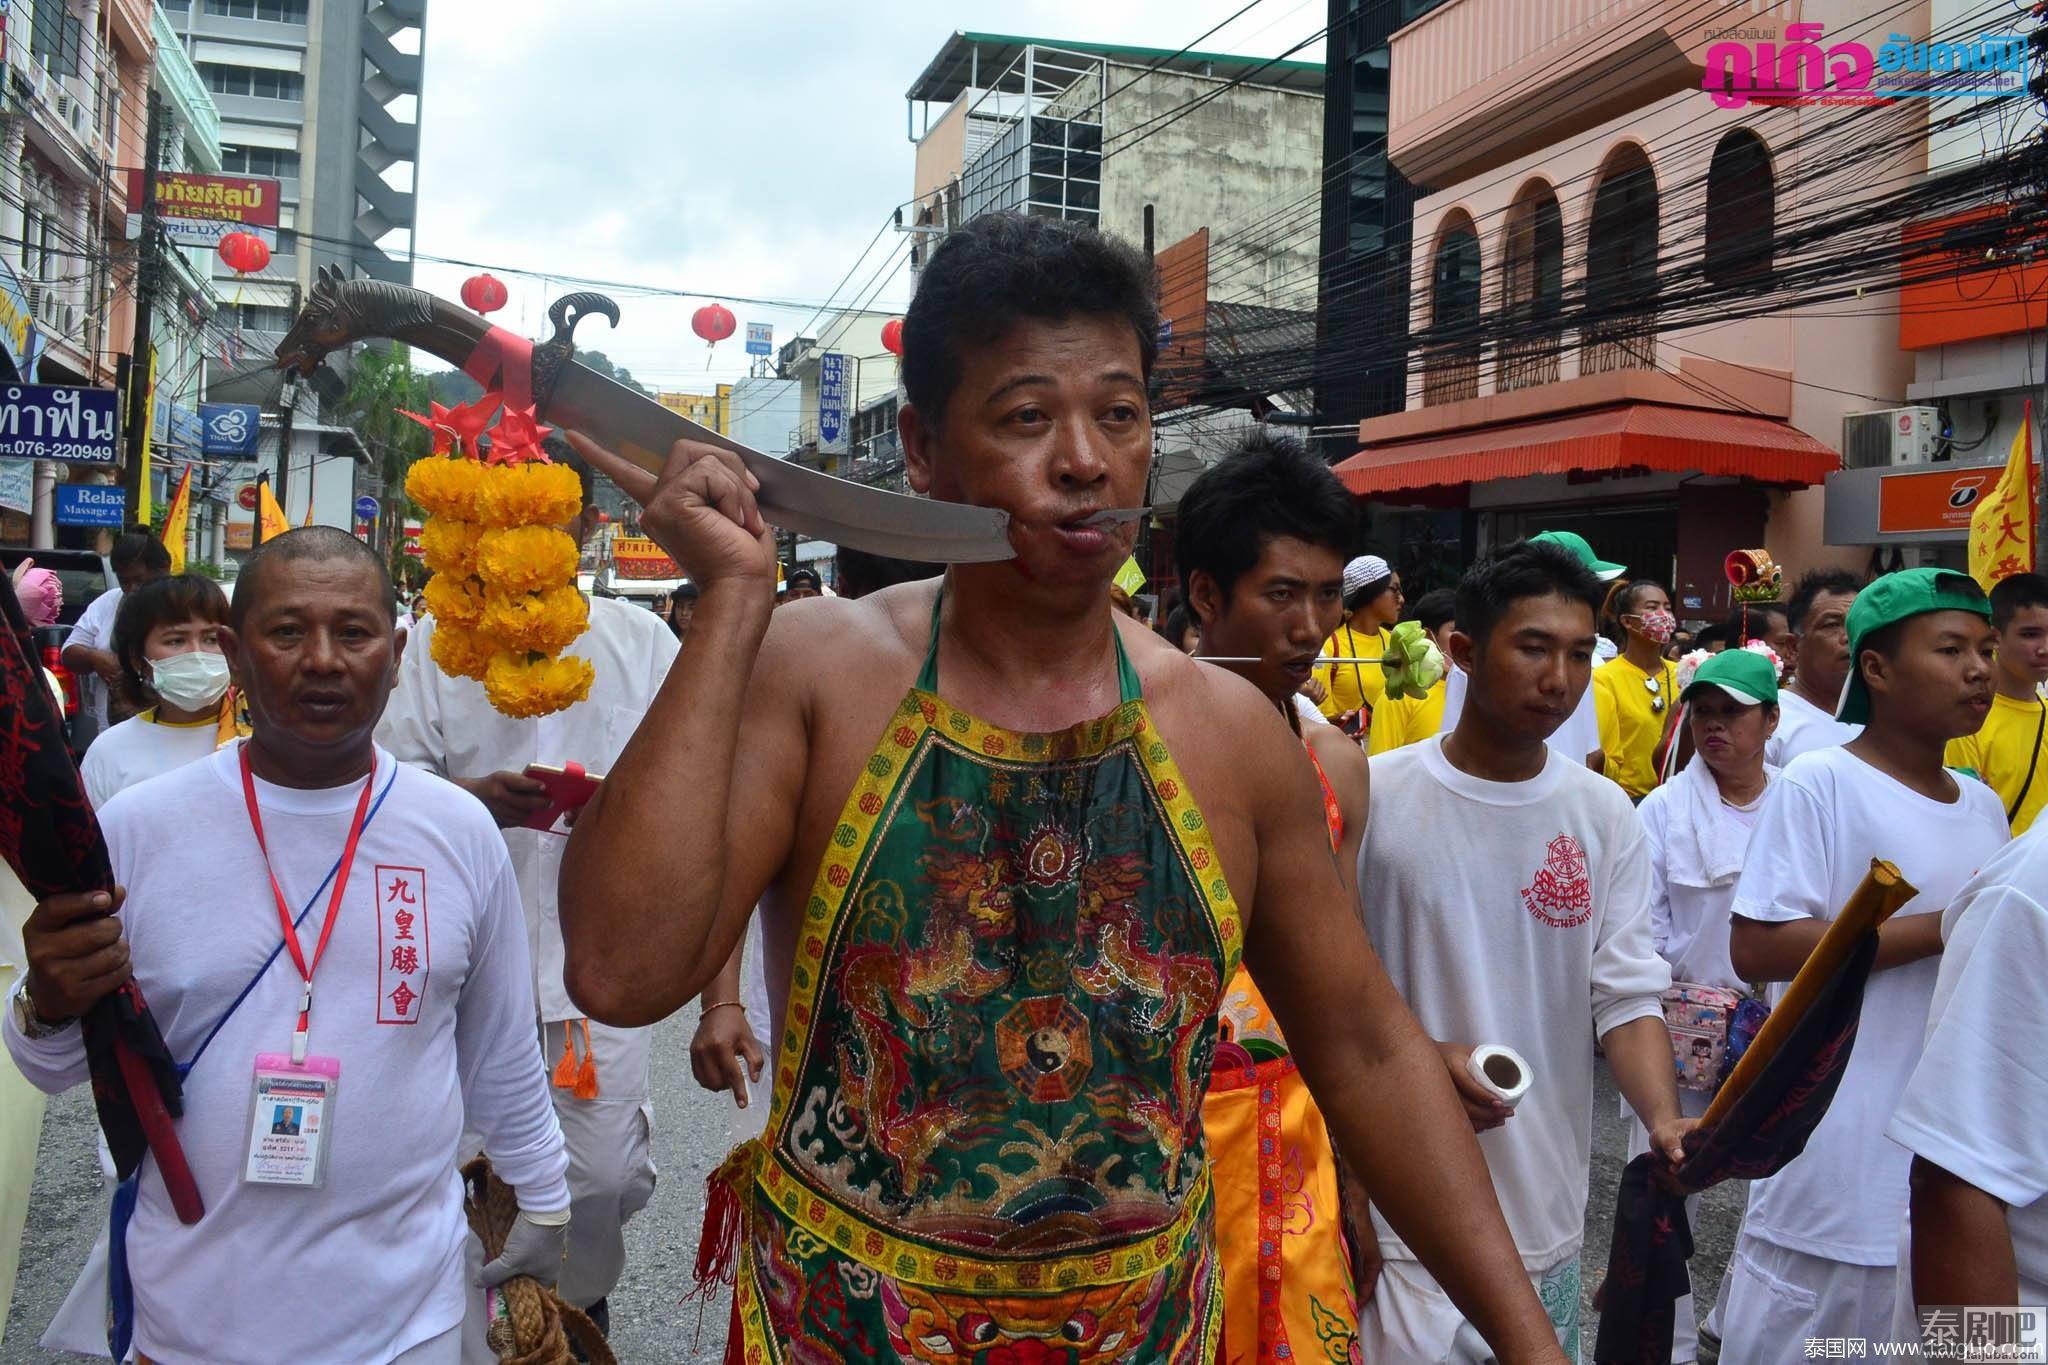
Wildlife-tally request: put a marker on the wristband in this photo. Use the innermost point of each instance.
(719, 1005)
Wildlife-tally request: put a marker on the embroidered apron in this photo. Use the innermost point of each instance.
(986, 1136)
(1287, 1287)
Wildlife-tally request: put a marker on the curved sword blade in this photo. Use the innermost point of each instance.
(791, 496)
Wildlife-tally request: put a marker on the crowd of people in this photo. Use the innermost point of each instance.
(1124, 1006)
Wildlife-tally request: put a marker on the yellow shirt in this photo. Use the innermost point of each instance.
(2010, 739)
(1631, 723)
(1406, 720)
(1353, 686)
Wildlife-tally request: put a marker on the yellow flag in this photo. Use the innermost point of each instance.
(270, 518)
(2002, 526)
(309, 509)
(175, 519)
(142, 517)
(1130, 577)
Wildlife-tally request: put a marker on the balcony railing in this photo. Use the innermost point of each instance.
(1450, 375)
(1628, 342)
(1526, 362)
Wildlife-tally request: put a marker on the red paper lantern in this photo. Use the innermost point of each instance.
(244, 252)
(892, 336)
(714, 322)
(484, 293)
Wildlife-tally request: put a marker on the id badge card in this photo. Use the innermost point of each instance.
(291, 1118)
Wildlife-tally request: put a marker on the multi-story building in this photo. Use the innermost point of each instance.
(1605, 285)
(712, 410)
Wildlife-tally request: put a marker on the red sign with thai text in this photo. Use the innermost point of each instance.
(217, 198)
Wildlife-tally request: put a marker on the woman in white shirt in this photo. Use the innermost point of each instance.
(1697, 829)
(167, 639)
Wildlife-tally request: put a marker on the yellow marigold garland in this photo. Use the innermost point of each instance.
(526, 558)
(449, 546)
(522, 685)
(537, 622)
(503, 593)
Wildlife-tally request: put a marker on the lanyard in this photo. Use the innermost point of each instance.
(284, 914)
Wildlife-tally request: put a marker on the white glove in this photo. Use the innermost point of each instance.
(537, 1245)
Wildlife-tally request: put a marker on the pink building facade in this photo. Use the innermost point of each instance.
(1581, 192)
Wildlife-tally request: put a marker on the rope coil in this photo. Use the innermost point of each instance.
(531, 1326)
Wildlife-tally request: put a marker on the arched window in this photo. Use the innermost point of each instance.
(1742, 209)
(1451, 365)
(1534, 289)
(1621, 266)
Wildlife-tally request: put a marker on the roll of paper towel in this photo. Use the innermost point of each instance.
(1501, 1070)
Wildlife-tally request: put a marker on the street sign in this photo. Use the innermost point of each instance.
(760, 338)
(57, 422)
(198, 210)
(834, 378)
(366, 508)
(91, 504)
(412, 537)
(245, 497)
(229, 428)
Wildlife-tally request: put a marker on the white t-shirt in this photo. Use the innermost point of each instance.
(142, 747)
(1824, 819)
(1977, 1105)
(95, 630)
(371, 1263)
(1690, 923)
(1577, 737)
(1802, 728)
(1515, 913)
(447, 726)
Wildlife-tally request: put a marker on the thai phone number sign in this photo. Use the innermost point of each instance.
(57, 422)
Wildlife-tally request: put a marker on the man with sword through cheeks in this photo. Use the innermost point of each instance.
(1010, 847)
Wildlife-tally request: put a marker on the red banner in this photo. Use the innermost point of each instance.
(218, 198)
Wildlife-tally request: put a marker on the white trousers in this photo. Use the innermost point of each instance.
(610, 1141)
(1411, 1321)
(1777, 1300)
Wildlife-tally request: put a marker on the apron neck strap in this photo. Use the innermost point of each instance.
(1128, 689)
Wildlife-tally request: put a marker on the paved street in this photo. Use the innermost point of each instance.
(650, 1323)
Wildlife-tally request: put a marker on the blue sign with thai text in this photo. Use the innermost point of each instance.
(57, 422)
(229, 428)
(91, 504)
(760, 339)
(366, 508)
(833, 383)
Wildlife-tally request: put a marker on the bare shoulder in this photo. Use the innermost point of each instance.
(842, 641)
(1206, 710)
(1344, 763)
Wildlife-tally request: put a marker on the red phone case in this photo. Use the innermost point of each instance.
(568, 790)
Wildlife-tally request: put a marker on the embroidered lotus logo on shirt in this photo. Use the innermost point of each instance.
(1561, 896)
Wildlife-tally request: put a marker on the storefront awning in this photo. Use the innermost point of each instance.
(1624, 436)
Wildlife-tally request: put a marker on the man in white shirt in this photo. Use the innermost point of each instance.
(1818, 614)
(423, 1005)
(1578, 736)
(89, 648)
(1820, 1239)
(445, 725)
(1507, 890)
(1975, 1113)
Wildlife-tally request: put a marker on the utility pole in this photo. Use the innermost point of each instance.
(149, 264)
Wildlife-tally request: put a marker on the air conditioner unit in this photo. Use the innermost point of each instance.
(65, 107)
(1893, 436)
(35, 293)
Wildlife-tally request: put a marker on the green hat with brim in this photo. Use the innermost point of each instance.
(1603, 570)
(1743, 674)
(1890, 600)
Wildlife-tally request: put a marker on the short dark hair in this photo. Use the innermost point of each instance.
(139, 547)
(1436, 608)
(1723, 633)
(564, 454)
(1178, 623)
(1625, 600)
(307, 543)
(2011, 594)
(1267, 488)
(860, 573)
(1514, 572)
(1813, 584)
(160, 602)
(1002, 268)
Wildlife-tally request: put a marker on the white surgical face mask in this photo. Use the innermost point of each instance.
(191, 681)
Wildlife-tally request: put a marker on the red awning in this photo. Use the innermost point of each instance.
(1625, 436)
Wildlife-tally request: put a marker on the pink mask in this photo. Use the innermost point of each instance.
(1657, 625)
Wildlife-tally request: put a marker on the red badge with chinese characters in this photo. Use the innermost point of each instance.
(402, 958)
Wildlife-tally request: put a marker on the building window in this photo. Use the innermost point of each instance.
(262, 161)
(1534, 290)
(1742, 208)
(1450, 367)
(57, 37)
(1621, 267)
(254, 81)
(276, 11)
(287, 243)
(256, 317)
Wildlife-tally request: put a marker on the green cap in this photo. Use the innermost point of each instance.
(1576, 543)
(1891, 599)
(1743, 674)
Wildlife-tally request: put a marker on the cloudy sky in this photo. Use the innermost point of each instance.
(734, 150)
